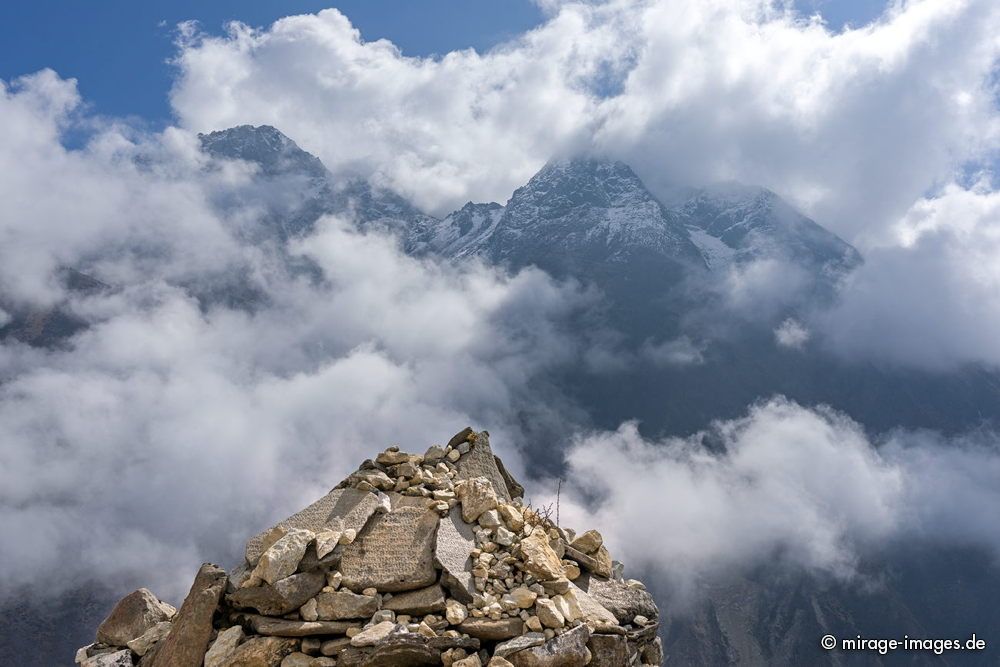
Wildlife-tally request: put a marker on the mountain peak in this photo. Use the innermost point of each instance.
(265, 146)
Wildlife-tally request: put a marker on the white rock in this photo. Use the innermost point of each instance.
(282, 558)
(326, 541)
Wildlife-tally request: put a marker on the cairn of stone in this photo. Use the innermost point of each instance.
(429, 559)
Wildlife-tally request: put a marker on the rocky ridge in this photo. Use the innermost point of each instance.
(431, 559)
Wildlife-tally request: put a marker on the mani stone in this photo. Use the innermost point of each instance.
(342, 605)
(455, 542)
(425, 601)
(134, 614)
(260, 652)
(187, 641)
(490, 629)
(566, 650)
(394, 554)
(480, 462)
(624, 602)
(338, 510)
(282, 597)
(280, 627)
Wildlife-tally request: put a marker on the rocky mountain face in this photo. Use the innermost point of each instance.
(413, 560)
(296, 189)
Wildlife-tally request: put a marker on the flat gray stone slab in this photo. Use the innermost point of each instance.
(455, 541)
(280, 627)
(480, 462)
(338, 510)
(394, 553)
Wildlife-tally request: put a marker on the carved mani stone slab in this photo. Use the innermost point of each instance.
(395, 553)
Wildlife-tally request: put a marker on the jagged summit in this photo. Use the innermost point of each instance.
(414, 559)
(753, 222)
(264, 146)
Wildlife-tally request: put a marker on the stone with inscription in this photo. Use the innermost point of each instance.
(395, 553)
(479, 462)
(455, 542)
(338, 510)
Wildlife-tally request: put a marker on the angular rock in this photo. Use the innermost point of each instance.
(141, 645)
(260, 652)
(375, 634)
(334, 646)
(566, 650)
(395, 553)
(527, 640)
(624, 602)
(404, 651)
(588, 542)
(490, 629)
(338, 510)
(280, 627)
(608, 651)
(513, 517)
(326, 542)
(283, 597)
(539, 558)
(297, 659)
(114, 659)
(592, 563)
(514, 489)
(282, 558)
(134, 614)
(480, 462)
(547, 613)
(428, 600)
(455, 542)
(187, 641)
(460, 437)
(591, 611)
(343, 605)
(224, 647)
(477, 496)
(497, 661)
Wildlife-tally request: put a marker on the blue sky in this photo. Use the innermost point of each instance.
(118, 49)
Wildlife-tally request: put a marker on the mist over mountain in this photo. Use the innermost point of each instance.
(673, 315)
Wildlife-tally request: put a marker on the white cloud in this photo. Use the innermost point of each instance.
(172, 429)
(930, 297)
(785, 483)
(791, 334)
(680, 351)
(853, 126)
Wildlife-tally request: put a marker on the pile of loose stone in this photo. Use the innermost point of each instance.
(412, 560)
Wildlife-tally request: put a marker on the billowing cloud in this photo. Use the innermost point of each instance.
(784, 483)
(930, 297)
(853, 126)
(175, 426)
